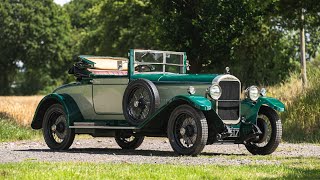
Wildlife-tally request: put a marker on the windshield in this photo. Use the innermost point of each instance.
(147, 61)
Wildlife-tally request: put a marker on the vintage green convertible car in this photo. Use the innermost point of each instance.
(150, 94)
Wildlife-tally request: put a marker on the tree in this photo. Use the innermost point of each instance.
(127, 24)
(205, 29)
(112, 27)
(217, 34)
(34, 41)
(302, 15)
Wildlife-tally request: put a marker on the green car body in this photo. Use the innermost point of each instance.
(95, 103)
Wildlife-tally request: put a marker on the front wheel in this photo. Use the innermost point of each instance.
(55, 129)
(270, 125)
(128, 141)
(187, 130)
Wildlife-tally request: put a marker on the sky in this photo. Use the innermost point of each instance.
(61, 2)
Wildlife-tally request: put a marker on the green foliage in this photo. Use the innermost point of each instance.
(257, 39)
(10, 131)
(205, 29)
(264, 57)
(34, 42)
(287, 15)
(293, 168)
(113, 27)
(240, 34)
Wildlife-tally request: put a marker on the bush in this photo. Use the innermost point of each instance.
(301, 120)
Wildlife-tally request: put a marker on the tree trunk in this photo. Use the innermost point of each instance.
(303, 54)
(195, 64)
(4, 84)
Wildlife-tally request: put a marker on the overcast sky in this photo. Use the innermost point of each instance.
(61, 2)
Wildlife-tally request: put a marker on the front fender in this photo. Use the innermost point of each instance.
(69, 105)
(163, 113)
(199, 102)
(250, 109)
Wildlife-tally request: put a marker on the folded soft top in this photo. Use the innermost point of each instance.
(105, 62)
(90, 66)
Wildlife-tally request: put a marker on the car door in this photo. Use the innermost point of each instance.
(107, 94)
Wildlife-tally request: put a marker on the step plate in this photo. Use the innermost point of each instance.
(92, 125)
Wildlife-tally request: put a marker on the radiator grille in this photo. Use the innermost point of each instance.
(228, 105)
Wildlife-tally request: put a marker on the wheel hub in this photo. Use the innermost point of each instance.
(136, 103)
(182, 131)
(189, 131)
(60, 127)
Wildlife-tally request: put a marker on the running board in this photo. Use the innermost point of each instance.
(92, 125)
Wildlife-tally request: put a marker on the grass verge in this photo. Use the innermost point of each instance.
(11, 131)
(301, 119)
(289, 168)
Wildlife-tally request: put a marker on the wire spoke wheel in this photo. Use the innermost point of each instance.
(266, 129)
(140, 100)
(56, 133)
(139, 104)
(187, 130)
(127, 140)
(270, 125)
(58, 129)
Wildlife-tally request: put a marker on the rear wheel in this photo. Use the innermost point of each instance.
(128, 141)
(270, 125)
(187, 130)
(55, 129)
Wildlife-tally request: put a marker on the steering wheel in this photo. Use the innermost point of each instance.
(144, 68)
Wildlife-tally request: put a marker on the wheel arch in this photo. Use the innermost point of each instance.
(69, 105)
(273, 103)
(250, 110)
(161, 116)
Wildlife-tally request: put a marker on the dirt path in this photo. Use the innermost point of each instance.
(153, 150)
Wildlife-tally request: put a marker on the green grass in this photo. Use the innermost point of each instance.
(11, 131)
(289, 168)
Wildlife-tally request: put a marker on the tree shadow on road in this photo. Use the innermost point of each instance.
(126, 152)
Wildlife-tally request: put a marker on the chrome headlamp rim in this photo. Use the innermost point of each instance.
(253, 93)
(214, 91)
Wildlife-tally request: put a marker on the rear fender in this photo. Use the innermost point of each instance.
(69, 105)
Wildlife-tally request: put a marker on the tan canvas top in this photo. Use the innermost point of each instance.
(109, 63)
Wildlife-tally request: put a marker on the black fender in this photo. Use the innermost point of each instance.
(69, 105)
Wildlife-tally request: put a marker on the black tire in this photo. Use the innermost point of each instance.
(271, 128)
(187, 130)
(128, 141)
(55, 129)
(140, 100)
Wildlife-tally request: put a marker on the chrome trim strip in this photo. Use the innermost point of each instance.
(102, 127)
(228, 77)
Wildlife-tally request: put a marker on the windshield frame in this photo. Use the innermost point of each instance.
(182, 65)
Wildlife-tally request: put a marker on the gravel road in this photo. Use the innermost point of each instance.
(153, 151)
